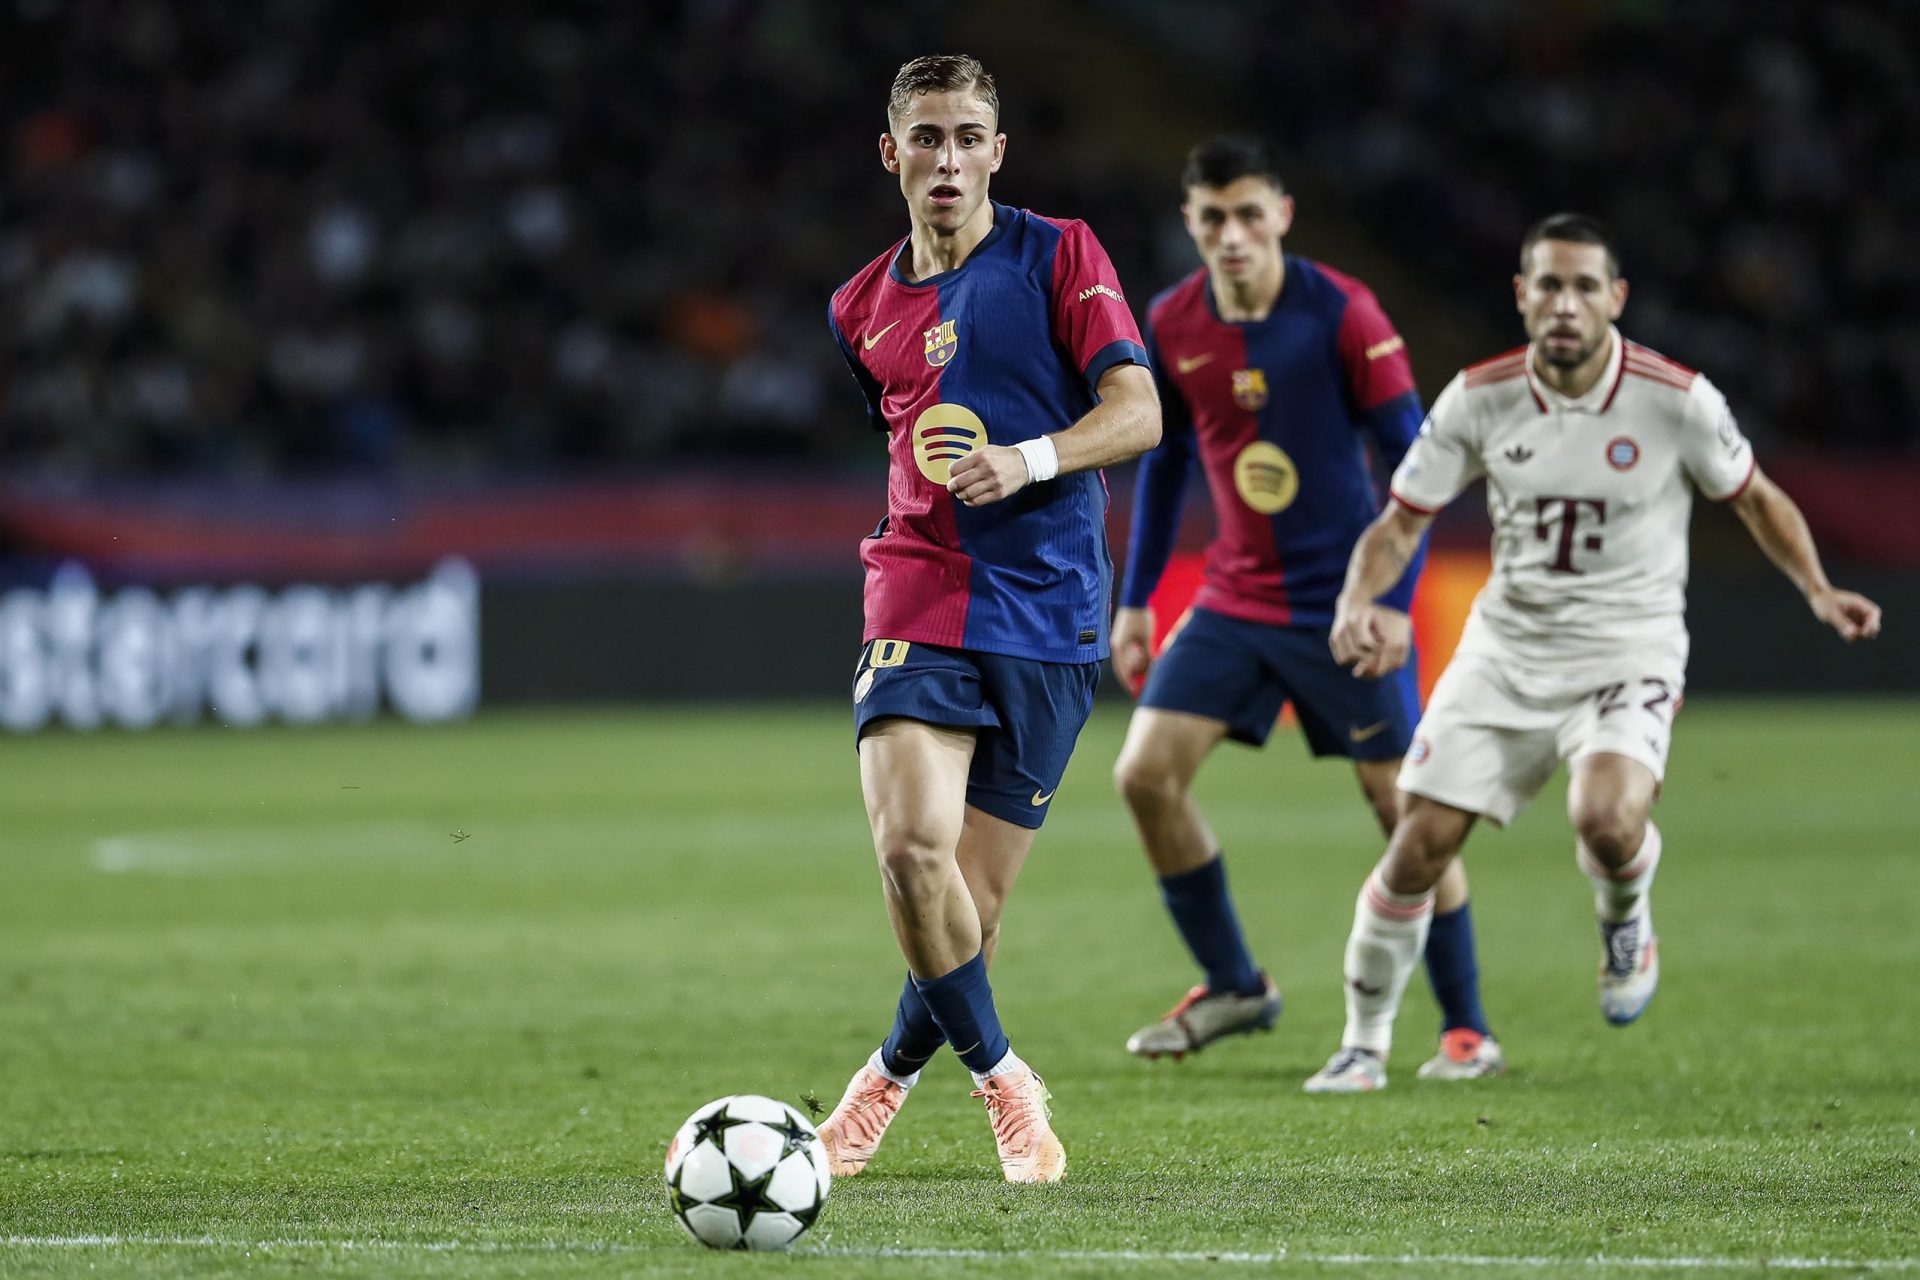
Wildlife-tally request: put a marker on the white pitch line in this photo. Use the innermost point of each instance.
(1283, 1256)
(1598, 1262)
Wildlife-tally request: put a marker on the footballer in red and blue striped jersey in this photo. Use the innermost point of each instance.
(1280, 412)
(996, 352)
(1277, 373)
(1008, 346)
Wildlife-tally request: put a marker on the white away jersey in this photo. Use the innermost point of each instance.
(1590, 498)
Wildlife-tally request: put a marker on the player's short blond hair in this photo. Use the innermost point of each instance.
(941, 73)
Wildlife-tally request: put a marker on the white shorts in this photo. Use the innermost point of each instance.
(1494, 732)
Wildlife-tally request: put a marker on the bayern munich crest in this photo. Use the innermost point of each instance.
(942, 342)
(1622, 453)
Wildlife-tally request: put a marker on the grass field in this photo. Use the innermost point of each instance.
(393, 1001)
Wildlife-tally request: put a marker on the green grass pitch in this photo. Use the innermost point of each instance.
(394, 1001)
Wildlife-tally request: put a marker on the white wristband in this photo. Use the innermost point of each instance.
(1043, 460)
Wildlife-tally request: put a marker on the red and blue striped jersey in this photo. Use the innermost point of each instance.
(1007, 346)
(1278, 411)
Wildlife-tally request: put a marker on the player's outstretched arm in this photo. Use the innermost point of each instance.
(1368, 636)
(1777, 525)
(1125, 424)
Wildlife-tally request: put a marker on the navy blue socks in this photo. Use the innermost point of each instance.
(1454, 970)
(1203, 910)
(915, 1036)
(961, 1003)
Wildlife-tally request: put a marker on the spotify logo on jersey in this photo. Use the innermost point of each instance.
(1266, 478)
(942, 436)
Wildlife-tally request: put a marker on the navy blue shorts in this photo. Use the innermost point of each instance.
(1028, 714)
(1244, 672)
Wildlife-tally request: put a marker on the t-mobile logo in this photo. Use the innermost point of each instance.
(1566, 513)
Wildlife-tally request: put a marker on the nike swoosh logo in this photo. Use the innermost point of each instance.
(866, 344)
(1187, 364)
(1371, 731)
(1039, 799)
(969, 1049)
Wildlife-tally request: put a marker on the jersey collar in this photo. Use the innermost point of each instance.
(1599, 396)
(1288, 271)
(1002, 216)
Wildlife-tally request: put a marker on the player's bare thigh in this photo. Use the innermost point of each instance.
(913, 776)
(1608, 799)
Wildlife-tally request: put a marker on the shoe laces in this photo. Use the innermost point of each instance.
(1014, 1111)
(875, 1095)
(874, 1092)
(1192, 998)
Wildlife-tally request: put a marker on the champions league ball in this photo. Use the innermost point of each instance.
(746, 1172)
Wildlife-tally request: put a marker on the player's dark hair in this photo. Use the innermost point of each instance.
(1228, 158)
(1575, 228)
(941, 73)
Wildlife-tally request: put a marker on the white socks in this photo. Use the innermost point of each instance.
(1389, 934)
(878, 1063)
(1618, 894)
(1009, 1062)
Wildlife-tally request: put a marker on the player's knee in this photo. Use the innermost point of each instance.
(1422, 846)
(1146, 784)
(1611, 829)
(911, 856)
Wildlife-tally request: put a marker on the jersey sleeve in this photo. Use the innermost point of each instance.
(1160, 491)
(1717, 457)
(869, 385)
(1091, 320)
(1443, 459)
(1373, 355)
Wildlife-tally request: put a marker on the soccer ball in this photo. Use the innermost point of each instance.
(746, 1172)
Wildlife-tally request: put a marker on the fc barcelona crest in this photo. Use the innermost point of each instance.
(1250, 388)
(942, 342)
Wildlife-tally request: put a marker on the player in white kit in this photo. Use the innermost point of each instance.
(1576, 649)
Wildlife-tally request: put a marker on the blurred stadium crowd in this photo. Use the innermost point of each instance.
(328, 235)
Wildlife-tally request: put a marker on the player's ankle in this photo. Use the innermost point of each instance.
(878, 1065)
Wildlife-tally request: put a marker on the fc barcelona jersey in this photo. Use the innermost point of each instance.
(1278, 412)
(1007, 346)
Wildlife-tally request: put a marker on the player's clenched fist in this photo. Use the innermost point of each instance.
(1132, 646)
(1371, 638)
(988, 474)
(1848, 612)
